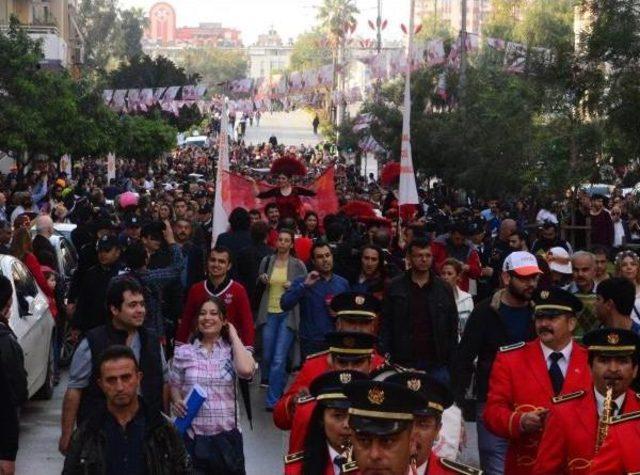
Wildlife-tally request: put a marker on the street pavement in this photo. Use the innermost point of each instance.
(290, 128)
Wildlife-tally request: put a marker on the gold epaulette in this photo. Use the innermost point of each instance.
(349, 467)
(630, 416)
(305, 399)
(462, 468)
(320, 353)
(294, 457)
(515, 346)
(567, 397)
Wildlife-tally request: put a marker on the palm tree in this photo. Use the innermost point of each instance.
(337, 18)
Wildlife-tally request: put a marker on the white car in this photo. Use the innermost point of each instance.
(31, 321)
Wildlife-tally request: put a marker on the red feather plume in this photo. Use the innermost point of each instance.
(359, 209)
(288, 166)
(390, 174)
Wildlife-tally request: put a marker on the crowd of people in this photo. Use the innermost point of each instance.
(375, 331)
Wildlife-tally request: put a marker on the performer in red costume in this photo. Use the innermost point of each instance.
(287, 196)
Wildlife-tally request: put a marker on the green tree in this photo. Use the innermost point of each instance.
(308, 53)
(611, 69)
(131, 23)
(144, 71)
(98, 22)
(45, 112)
(144, 138)
(215, 66)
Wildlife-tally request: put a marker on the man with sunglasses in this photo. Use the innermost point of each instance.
(499, 321)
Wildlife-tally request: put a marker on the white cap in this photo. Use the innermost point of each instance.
(521, 263)
(559, 260)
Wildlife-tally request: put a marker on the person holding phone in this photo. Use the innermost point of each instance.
(526, 377)
(314, 293)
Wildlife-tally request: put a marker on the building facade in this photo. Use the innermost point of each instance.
(54, 23)
(163, 32)
(269, 55)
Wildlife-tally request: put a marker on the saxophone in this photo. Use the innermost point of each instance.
(605, 418)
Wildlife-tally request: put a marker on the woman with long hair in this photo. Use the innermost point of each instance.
(627, 265)
(22, 249)
(275, 275)
(212, 361)
(451, 272)
(327, 441)
(311, 225)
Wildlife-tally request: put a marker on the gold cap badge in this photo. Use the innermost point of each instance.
(414, 384)
(544, 295)
(376, 396)
(345, 378)
(359, 300)
(613, 338)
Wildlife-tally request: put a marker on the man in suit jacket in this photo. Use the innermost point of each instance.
(567, 446)
(42, 247)
(525, 377)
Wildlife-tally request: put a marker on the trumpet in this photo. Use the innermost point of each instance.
(605, 418)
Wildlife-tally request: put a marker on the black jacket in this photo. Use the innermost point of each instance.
(150, 363)
(484, 333)
(12, 373)
(91, 310)
(397, 324)
(164, 450)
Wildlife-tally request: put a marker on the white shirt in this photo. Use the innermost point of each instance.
(332, 455)
(618, 234)
(600, 402)
(563, 363)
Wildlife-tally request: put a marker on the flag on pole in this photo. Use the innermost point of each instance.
(220, 216)
(111, 167)
(408, 194)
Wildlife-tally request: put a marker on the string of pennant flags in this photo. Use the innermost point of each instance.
(312, 87)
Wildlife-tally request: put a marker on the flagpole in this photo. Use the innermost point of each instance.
(220, 217)
(408, 192)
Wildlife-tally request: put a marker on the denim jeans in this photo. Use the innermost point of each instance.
(493, 449)
(277, 338)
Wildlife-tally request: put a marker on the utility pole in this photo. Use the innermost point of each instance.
(463, 46)
(379, 26)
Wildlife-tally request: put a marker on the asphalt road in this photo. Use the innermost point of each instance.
(293, 128)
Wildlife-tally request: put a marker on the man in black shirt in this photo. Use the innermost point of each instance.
(126, 436)
(420, 318)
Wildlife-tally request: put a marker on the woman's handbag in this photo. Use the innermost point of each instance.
(223, 453)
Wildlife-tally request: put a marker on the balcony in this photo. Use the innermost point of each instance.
(54, 47)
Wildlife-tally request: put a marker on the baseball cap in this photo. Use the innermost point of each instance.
(521, 263)
(559, 260)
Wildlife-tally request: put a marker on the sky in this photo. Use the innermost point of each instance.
(288, 17)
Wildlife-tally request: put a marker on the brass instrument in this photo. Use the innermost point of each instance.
(605, 418)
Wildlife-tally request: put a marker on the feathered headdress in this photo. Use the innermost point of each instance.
(390, 174)
(289, 166)
(359, 210)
